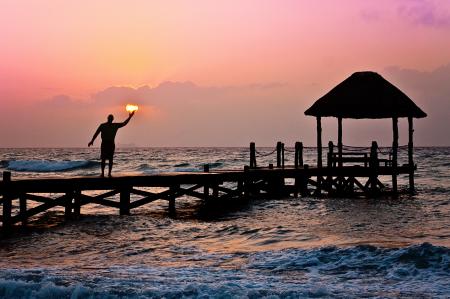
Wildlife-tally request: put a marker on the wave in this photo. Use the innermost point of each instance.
(182, 165)
(215, 164)
(418, 271)
(48, 165)
(186, 169)
(393, 263)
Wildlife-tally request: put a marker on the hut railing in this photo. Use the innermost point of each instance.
(360, 154)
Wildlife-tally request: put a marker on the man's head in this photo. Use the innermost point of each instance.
(110, 118)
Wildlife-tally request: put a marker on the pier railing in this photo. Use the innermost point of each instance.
(280, 151)
(365, 156)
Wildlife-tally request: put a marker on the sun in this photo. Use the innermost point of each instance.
(132, 108)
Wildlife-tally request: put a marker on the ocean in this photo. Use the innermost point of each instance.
(280, 248)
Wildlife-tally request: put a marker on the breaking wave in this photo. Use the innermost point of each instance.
(48, 165)
(418, 271)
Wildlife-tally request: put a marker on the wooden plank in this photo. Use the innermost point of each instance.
(107, 194)
(165, 195)
(100, 201)
(60, 201)
(141, 192)
(363, 188)
(37, 198)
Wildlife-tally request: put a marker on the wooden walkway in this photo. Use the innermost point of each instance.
(70, 193)
(351, 173)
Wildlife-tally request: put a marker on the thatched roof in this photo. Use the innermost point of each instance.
(365, 95)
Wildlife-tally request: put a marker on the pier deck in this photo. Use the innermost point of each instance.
(73, 193)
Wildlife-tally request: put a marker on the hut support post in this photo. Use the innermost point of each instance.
(410, 154)
(319, 154)
(298, 162)
(340, 179)
(373, 164)
(340, 140)
(394, 154)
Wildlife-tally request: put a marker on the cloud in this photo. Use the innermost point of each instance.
(425, 13)
(170, 114)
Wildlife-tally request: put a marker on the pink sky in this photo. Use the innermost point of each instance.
(255, 66)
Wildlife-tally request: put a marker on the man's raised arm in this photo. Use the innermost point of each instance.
(127, 120)
(95, 136)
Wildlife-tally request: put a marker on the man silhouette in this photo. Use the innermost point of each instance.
(109, 131)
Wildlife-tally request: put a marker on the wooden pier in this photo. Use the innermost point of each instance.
(348, 174)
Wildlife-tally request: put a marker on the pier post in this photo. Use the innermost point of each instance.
(68, 205)
(330, 165)
(279, 146)
(319, 155)
(172, 196)
(282, 155)
(125, 201)
(304, 181)
(23, 209)
(394, 155)
(298, 162)
(373, 165)
(246, 182)
(298, 155)
(240, 187)
(76, 204)
(7, 202)
(216, 191)
(206, 187)
(252, 155)
(410, 155)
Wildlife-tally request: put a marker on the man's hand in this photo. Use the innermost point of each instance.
(132, 113)
(90, 143)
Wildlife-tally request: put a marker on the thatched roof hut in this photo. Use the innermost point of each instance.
(365, 95)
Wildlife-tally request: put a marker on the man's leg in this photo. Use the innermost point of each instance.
(110, 166)
(103, 166)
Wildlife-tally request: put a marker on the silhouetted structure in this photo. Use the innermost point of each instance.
(367, 95)
(362, 95)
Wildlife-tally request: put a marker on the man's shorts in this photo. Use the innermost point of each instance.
(107, 150)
